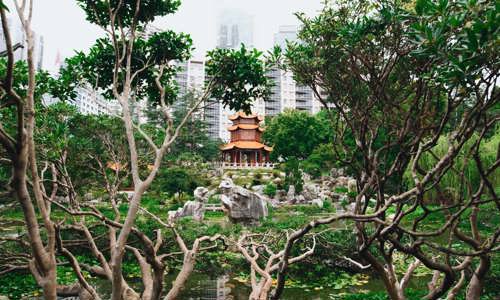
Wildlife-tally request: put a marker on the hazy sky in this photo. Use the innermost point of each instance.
(64, 28)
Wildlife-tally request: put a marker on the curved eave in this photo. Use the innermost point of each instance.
(245, 127)
(242, 145)
(242, 115)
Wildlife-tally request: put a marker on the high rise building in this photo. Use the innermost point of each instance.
(190, 77)
(90, 102)
(234, 29)
(19, 43)
(286, 93)
(282, 92)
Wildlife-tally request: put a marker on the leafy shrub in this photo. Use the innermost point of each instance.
(270, 189)
(293, 175)
(451, 181)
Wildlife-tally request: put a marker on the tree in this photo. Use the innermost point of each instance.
(21, 89)
(194, 138)
(295, 134)
(176, 181)
(402, 76)
(129, 67)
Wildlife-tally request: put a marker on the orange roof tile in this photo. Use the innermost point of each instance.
(114, 166)
(246, 145)
(243, 115)
(245, 126)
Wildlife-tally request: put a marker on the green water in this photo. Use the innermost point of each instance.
(203, 287)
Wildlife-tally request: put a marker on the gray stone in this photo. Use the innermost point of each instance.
(290, 195)
(242, 205)
(280, 195)
(352, 186)
(318, 202)
(342, 181)
(266, 178)
(311, 191)
(195, 208)
(258, 189)
(300, 199)
(306, 177)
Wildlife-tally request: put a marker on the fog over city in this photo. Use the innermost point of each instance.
(196, 17)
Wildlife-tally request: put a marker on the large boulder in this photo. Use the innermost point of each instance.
(258, 189)
(352, 186)
(318, 202)
(311, 191)
(195, 208)
(281, 195)
(242, 205)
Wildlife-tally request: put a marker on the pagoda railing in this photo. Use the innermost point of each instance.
(255, 165)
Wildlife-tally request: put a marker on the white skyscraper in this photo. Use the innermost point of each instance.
(234, 28)
(19, 42)
(190, 77)
(286, 93)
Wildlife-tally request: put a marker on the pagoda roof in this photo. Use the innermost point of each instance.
(246, 145)
(245, 126)
(242, 115)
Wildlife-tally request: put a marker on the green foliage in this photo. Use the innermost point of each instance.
(321, 160)
(44, 82)
(98, 11)
(293, 175)
(451, 185)
(17, 285)
(238, 77)
(176, 180)
(193, 141)
(295, 134)
(461, 35)
(97, 66)
(270, 189)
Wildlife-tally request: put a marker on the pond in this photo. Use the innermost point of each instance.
(226, 287)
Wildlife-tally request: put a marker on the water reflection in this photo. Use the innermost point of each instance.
(210, 289)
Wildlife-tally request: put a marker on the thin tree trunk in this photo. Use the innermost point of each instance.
(180, 280)
(475, 287)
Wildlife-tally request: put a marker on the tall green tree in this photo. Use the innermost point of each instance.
(401, 75)
(194, 138)
(131, 65)
(295, 134)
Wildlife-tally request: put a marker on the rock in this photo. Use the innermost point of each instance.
(280, 195)
(343, 199)
(242, 205)
(352, 186)
(306, 177)
(311, 191)
(4, 297)
(277, 180)
(300, 199)
(258, 189)
(317, 202)
(290, 195)
(194, 208)
(342, 181)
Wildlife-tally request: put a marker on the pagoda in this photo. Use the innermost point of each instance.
(246, 148)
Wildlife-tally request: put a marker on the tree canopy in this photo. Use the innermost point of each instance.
(296, 134)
